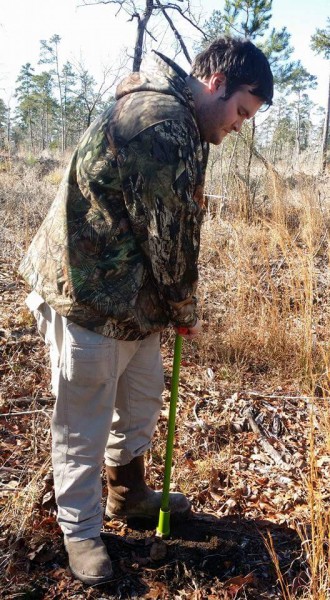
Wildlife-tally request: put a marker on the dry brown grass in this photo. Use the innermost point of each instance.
(26, 191)
(264, 288)
(264, 298)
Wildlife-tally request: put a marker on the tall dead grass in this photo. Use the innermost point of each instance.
(316, 535)
(264, 298)
(265, 301)
(264, 286)
(27, 188)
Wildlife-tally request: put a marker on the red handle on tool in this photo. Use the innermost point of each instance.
(182, 330)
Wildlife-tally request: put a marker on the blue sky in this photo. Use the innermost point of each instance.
(93, 34)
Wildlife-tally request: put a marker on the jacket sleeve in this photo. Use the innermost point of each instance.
(158, 171)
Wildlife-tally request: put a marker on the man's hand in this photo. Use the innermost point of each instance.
(190, 333)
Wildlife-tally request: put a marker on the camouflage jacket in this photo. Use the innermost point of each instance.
(117, 252)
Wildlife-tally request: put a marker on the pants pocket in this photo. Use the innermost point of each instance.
(90, 357)
(41, 321)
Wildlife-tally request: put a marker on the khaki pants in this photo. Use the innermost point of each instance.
(108, 399)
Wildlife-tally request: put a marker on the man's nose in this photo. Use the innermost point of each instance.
(237, 126)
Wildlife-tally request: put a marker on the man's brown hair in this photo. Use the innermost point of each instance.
(241, 62)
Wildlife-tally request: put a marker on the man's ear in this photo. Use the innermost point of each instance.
(216, 81)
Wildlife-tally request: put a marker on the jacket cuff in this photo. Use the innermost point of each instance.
(184, 314)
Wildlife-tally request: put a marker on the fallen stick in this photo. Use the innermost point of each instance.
(274, 396)
(267, 446)
(25, 412)
(11, 470)
(29, 400)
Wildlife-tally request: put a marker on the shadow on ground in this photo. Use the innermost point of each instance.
(204, 558)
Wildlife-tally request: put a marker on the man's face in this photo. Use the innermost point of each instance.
(217, 117)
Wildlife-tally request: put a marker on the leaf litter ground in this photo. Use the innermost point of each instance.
(241, 456)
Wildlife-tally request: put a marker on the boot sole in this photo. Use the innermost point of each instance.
(90, 579)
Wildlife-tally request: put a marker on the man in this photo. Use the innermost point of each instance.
(114, 263)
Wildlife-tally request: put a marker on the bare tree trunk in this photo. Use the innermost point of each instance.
(141, 29)
(298, 128)
(8, 128)
(31, 134)
(152, 7)
(250, 195)
(260, 157)
(47, 127)
(62, 111)
(43, 131)
(326, 134)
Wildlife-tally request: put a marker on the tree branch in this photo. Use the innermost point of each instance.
(142, 16)
(190, 19)
(175, 31)
(266, 443)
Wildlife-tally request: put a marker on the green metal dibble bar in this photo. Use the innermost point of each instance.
(163, 529)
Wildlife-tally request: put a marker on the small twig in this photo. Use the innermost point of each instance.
(174, 29)
(25, 412)
(29, 400)
(274, 396)
(267, 446)
(200, 422)
(11, 470)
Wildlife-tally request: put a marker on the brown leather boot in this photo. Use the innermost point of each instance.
(129, 495)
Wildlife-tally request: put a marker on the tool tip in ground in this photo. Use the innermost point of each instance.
(163, 529)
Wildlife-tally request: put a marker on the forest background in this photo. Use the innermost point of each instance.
(66, 77)
(253, 445)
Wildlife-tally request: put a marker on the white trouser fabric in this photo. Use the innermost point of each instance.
(108, 399)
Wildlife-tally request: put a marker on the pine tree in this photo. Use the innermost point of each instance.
(49, 54)
(250, 19)
(320, 44)
(69, 85)
(300, 81)
(26, 112)
(46, 106)
(3, 124)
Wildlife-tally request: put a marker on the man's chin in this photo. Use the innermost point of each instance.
(216, 138)
(220, 137)
(223, 134)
